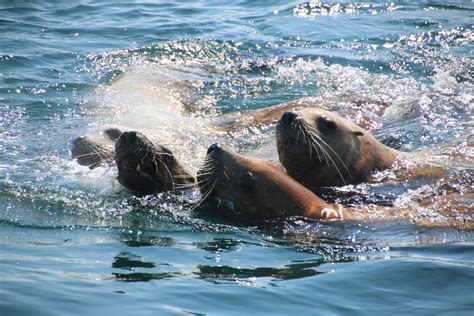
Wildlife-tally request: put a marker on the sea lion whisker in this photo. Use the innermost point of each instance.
(310, 145)
(207, 170)
(299, 130)
(209, 177)
(337, 155)
(330, 158)
(326, 154)
(207, 165)
(207, 161)
(184, 186)
(205, 173)
(102, 157)
(100, 150)
(166, 168)
(205, 196)
(173, 184)
(97, 150)
(317, 145)
(86, 155)
(332, 161)
(307, 134)
(203, 181)
(181, 176)
(166, 154)
(154, 158)
(226, 175)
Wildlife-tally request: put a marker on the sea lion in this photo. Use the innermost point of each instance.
(146, 168)
(236, 121)
(319, 148)
(93, 150)
(257, 189)
(97, 148)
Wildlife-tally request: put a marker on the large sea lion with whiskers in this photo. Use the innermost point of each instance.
(256, 189)
(319, 148)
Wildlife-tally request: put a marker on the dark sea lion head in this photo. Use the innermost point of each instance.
(96, 150)
(88, 152)
(320, 148)
(146, 168)
(253, 187)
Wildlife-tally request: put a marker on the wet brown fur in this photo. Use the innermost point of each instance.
(320, 148)
(257, 189)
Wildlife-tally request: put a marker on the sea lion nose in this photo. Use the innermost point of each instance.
(213, 147)
(128, 137)
(288, 117)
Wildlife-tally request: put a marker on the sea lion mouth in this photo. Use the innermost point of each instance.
(137, 170)
(135, 158)
(133, 151)
(138, 175)
(132, 167)
(129, 162)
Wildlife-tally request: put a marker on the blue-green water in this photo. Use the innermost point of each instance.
(72, 241)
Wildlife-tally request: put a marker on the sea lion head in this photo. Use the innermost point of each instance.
(96, 151)
(254, 187)
(146, 168)
(320, 148)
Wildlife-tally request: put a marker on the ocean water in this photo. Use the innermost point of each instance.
(72, 241)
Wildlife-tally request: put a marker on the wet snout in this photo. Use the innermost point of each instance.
(288, 117)
(213, 147)
(127, 151)
(213, 160)
(128, 138)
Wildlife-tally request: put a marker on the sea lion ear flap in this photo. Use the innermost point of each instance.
(358, 133)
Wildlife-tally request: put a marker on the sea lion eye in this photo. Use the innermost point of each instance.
(358, 133)
(326, 124)
(248, 183)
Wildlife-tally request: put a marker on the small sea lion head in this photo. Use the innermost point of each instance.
(320, 148)
(146, 168)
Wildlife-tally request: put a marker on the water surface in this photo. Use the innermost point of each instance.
(72, 241)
